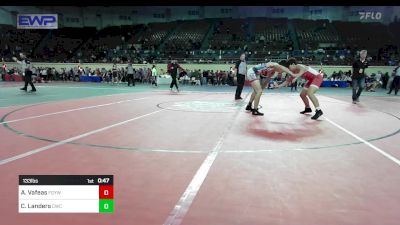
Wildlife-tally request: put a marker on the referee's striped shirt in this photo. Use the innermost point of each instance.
(25, 65)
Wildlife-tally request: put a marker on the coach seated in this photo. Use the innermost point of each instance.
(372, 83)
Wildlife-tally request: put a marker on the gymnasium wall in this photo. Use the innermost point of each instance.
(100, 17)
(6, 18)
(328, 69)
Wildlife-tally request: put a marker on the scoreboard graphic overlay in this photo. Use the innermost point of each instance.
(66, 194)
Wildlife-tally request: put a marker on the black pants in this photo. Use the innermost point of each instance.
(212, 80)
(131, 80)
(174, 82)
(395, 85)
(154, 81)
(28, 80)
(358, 86)
(240, 84)
(230, 81)
(384, 82)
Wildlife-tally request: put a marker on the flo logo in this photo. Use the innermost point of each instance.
(370, 15)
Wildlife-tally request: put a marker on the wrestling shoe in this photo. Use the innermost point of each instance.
(257, 113)
(248, 108)
(306, 110)
(318, 113)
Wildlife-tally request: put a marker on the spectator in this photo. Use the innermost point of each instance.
(44, 75)
(35, 74)
(3, 69)
(374, 82)
(224, 77)
(154, 75)
(141, 75)
(114, 73)
(385, 79)
(186, 79)
(218, 76)
(204, 77)
(109, 76)
(230, 78)
(122, 75)
(130, 73)
(211, 76)
(197, 75)
(396, 80)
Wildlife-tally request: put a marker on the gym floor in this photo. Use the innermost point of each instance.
(198, 158)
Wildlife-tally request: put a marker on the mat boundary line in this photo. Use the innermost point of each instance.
(71, 110)
(47, 147)
(181, 208)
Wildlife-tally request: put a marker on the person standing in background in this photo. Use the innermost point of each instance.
(130, 73)
(204, 77)
(44, 74)
(240, 70)
(34, 73)
(122, 75)
(385, 79)
(114, 73)
(3, 70)
(26, 70)
(358, 78)
(395, 84)
(172, 69)
(154, 75)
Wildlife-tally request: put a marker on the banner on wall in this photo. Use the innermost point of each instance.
(37, 21)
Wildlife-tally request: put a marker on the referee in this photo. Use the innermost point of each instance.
(240, 69)
(26, 67)
(358, 78)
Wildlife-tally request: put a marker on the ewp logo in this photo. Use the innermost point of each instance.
(37, 21)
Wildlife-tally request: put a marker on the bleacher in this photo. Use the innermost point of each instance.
(271, 36)
(62, 42)
(363, 35)
(188, 36)
(265, 38)
(312, 32)
(229, 34)
(272, 33)
(394, 29)
(107, 40)
(154, 35)
(19, 40)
